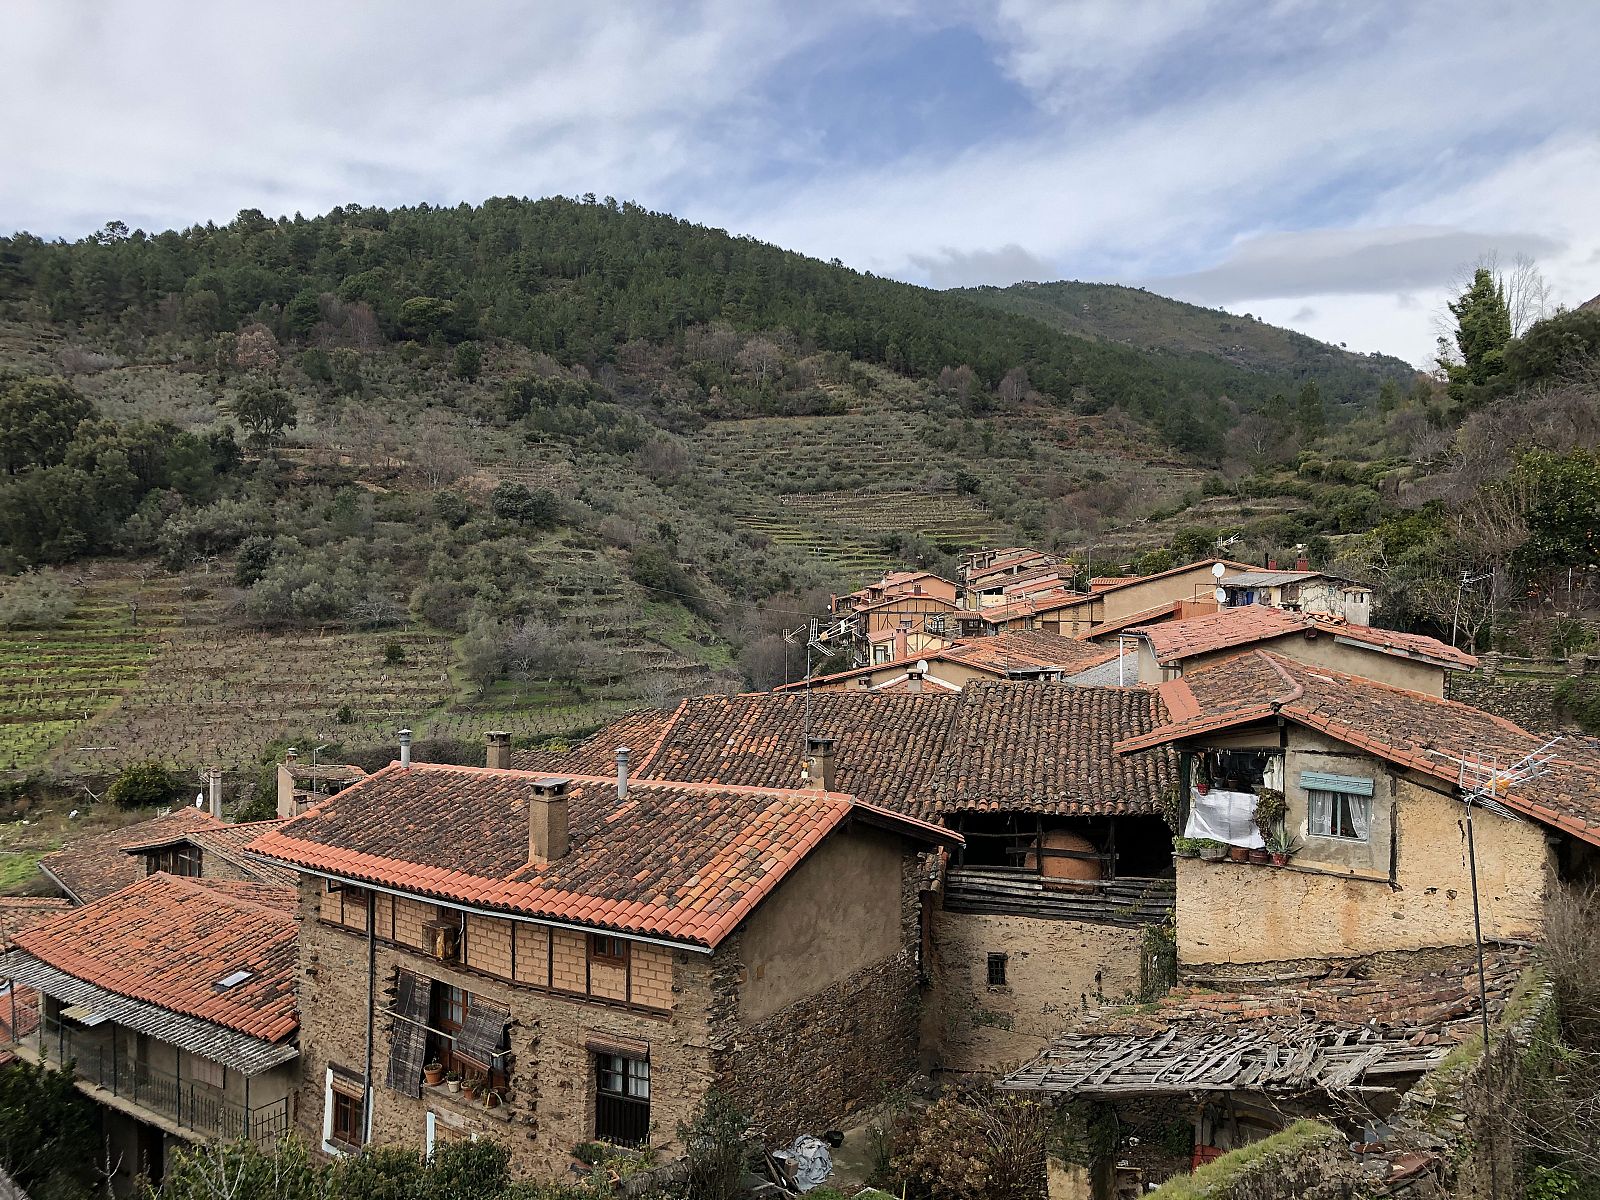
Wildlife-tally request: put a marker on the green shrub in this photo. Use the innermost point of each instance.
(715, 1150)
(142, 785)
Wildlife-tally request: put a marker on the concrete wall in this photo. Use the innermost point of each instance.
(1055, 971)
(837, 914)
(1338, 900)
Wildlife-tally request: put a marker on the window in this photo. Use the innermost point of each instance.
(470, 1034)
(183, 859)
(936, 624)
(344, 1123)
(346, 1119)
(607, 951)
(997, 970)
(622, 1099)
(1340, 815)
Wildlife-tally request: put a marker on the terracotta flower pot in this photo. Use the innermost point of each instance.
(1280, 860)
(1239, 853)
(1259, 857)
(433, 1076)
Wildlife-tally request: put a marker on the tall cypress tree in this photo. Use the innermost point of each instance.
(1483, 327)
(1309, 418)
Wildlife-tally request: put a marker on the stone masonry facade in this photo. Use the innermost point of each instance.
(802, 1068)
(806, 1067)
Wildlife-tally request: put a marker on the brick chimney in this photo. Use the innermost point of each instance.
(1302, 563)
(819, 763)
(497, 752)
(902, 640)
(1272, 564)
(286, 804)
(547, 821)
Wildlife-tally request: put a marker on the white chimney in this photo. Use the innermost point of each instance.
(405, 748)
(622, 772)
(216, 793)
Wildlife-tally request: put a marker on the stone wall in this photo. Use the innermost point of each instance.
(1056, 970)
(552, 1076)
(807, 1066)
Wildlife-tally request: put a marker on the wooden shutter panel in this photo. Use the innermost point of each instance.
(483, 1032)
(408, 1034)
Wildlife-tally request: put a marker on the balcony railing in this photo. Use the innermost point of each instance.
(1121, 901)
(188, 1104)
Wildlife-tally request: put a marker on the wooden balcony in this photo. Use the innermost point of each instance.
(1126, 901)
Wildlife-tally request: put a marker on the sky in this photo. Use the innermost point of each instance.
(1334, 167)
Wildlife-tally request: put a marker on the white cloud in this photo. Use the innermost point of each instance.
(1284, 156)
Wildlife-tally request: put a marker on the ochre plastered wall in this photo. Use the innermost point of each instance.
(835, 915)
(1229, 913)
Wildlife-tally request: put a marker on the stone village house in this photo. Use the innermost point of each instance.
(175, 999)
(1330, 985)
(600, 952)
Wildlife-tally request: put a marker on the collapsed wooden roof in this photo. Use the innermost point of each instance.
(1333, 1035)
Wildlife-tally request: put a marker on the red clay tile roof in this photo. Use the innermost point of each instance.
(1001, 566)
(884, 746)
(168, 940)
(225, 841)
(94, 865)
(1016, 650)
(24, 912)
(1051, 748)
(1028, 649)
(1411, 729)
(1179, 610)
(1101, 582)
(1038, 602)
(1174, 641)
(597, 755)
(674, 860)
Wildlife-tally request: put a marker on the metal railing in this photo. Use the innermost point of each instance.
(187, 1103)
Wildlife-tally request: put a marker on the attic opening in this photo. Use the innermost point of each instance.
(1063, 847)
(233, 980)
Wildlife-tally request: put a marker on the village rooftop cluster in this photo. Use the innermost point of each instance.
(1002, 809)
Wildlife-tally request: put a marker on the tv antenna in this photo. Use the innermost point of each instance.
(1484, 784)
(812, 633)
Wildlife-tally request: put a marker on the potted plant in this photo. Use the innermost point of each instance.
(472, 1086)
(1280, 845)
(452, 1080)
(1258, 855)
(1271, 809)
(433, 1073)
(1202, 777)
(494, 1097)
(1239, 853)
(1183, 847)
(1211, 851)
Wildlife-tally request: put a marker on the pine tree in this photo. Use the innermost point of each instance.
(1483, 327)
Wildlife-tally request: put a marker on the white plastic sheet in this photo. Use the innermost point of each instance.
(1228, 817)
(809, 1159)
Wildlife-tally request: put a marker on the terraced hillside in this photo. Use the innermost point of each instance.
(55, 682)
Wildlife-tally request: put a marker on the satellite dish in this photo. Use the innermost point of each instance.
(200, 800)
(1222, 596)
(1218, 570)
(922, 666)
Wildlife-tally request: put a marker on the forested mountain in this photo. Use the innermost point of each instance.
(543, 459)
(1142, 319)
(580, 280)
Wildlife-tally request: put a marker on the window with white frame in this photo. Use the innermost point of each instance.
(1339, 815)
